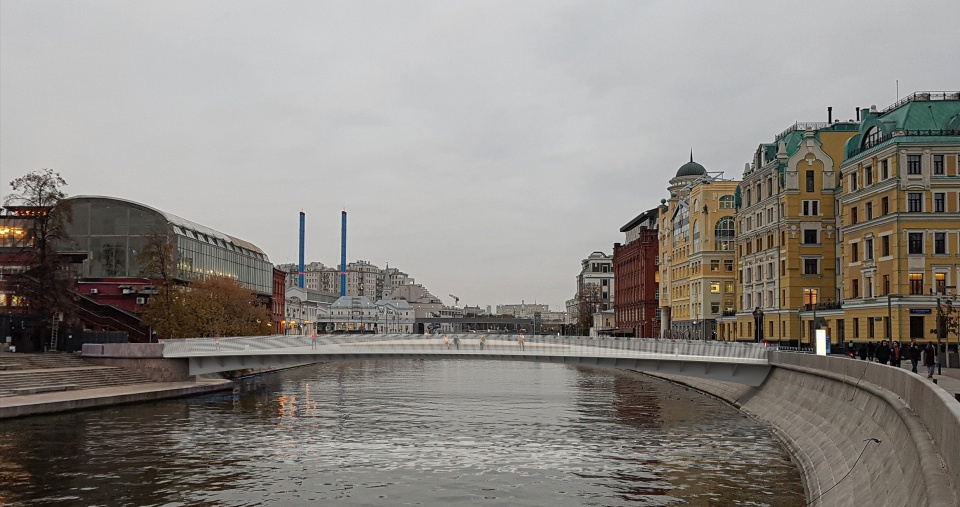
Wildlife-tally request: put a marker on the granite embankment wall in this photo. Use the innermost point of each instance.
(827, 409)
(144, 358)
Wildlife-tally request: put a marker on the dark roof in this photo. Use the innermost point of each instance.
(642, 217)
(691, 168)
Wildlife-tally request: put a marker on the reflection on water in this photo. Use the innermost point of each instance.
(406, 433)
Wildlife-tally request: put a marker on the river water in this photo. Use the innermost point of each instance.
(406, 432)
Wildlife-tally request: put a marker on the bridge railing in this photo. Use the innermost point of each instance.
(468, 343)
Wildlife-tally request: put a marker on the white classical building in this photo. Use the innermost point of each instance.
(303, 308)
(360, 314)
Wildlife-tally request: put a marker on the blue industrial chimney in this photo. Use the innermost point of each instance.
(343, 253)
(302, 222)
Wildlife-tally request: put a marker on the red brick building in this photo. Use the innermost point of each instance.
(635, 274)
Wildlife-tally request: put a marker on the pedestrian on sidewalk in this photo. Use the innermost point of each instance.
(456, 341)
(930, 358)
(862, 352)
(483, 338)
(883, 353)
(914, 354)
(895, 357)
(520, 340)
(313, 340)
(871, 350)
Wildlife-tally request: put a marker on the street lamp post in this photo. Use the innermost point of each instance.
(758, 324)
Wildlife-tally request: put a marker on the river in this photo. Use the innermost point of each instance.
(406, 432)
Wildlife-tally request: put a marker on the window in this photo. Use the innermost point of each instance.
(810, 182)
(715, 265)
(770, 270)
(938, 164)
(854, 288)
(811, 208)
(728, 287)
(868, 249)
(873, 137)
(856, 327)
(714, 287)
(914, 201)
(884, 205)
(853, 182)
(913, 164)
(811, 266)
(810, 237)
(723, 234)
(916, 283)
(854, 252)
(870, 328)
(939, 202)
(915, 243)
(940, 283)
(868, 210)
(715, 308)
(885, 246)
(770, 185)
(886, 284)
(884, 170)
(728, 265)
(810, 296)
(696, 236)
(726, 202)
(868, 175)
(853, 215)
(940, 243)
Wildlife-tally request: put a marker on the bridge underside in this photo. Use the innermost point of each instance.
(751, 374)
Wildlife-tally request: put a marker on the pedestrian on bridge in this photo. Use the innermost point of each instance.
(313, 340)
(217, 342)
(520, 340)
(483, 337)
(446, 341)
(456, 341)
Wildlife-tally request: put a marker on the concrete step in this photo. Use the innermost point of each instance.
(88, 377)
(13, 361)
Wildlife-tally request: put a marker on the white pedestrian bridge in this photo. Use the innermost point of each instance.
(742, 363)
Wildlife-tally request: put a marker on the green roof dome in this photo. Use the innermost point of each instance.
(691, 168)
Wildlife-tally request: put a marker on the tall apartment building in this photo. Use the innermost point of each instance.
(636, 277)
(363, 278)
(787, 233)
(597, 269)
(900, 208)
(696, 253)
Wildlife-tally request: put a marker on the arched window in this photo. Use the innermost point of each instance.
(726, 202)
(873, 137)
(723, 234)
(696, 236)
(681, 225)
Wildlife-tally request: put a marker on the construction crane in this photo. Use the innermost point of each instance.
(456, 300)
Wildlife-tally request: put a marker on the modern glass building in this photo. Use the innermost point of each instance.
(113, 231)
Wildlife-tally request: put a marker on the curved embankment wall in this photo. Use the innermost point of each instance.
(826, 410)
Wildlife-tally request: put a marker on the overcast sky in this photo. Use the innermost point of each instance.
(485, 148)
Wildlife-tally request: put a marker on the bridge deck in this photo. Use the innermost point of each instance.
(735, 362)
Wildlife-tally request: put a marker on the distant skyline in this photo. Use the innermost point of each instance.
(485, 148)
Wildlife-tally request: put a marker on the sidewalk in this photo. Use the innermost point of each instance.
(45, 403)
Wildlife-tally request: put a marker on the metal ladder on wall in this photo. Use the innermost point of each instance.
(55, 331)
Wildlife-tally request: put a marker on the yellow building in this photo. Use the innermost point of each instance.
(697, 282)
(787, 235)
(901, 218)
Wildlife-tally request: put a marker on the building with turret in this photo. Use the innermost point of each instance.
(696, 248)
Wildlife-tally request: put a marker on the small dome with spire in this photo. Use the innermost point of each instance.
(691, 168)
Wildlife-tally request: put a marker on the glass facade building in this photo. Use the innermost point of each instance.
(113, 231)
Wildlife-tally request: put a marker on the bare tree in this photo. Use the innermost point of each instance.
(589, 301)
(48, 282)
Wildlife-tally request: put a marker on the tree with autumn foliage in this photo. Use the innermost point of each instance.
(214, 306)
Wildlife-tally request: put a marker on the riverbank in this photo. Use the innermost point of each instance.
(61, 401)
(861, 433)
